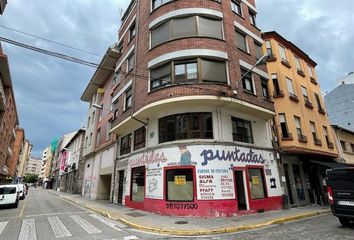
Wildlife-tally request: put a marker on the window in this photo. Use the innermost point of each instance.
(277, 91)
(90, 140)
(269, 48)
(318, 101)
(352, 146)
(137, 191)
(247, 82)
(186, 27)
(116, 77)
(128, 98)
(289, 83)
(98, 136)
(313, 130)
(298, 62)
(88, 121)
(241, 130)
(282, 53)
(259, 52)
(265, 91)
(325, 131)
(108, 130)
(252, 17)
(284, 126)
(191, 70)
(213, 71)
(158, 3)
(236, 7)
(180, 185)
(304, 93)
(86, 142)
(131, 62)
(256, 182)
(132, 32)
(241, 41)
(344, 147)
(186, 71)
(298, 127)
(186, 126)
(93, 117)
(115, 108)
(125, 144)
(309, 68)
(139, 138)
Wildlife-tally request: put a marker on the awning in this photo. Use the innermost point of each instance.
(330, 164)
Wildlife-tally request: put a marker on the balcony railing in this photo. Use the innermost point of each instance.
(302, 138)
(313, 80)
(301, 73)
(318, 142)
(293, 97)
(285, 63)
(287, 137)
(330, 145)
(322, 111)
(308, 105)
(278, 94)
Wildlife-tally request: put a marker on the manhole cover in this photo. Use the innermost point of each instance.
(135, 214)
(181, 222)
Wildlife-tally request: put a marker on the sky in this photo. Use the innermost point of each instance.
(48, 90)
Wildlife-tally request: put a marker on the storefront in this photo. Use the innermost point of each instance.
(203, 181)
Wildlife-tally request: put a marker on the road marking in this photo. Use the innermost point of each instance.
(88, 227)
(130, 237)
(22, 209)
(2, 226)
(58, 227)
(48, 214)
(106, 222)
(28, 230)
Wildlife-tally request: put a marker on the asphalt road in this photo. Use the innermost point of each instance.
(43, 216)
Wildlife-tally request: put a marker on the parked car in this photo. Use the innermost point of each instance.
(9, 195)
(22, 189)
(340, 184)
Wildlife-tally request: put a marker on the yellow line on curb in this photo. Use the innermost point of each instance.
(201, 232)
(22, 209)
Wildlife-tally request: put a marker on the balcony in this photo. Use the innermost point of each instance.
(308, 105)
(285, 63)
(272, 58)
(302, 138)
(313, 80)
(278, 94)
(317, 142)
(301, 73)
(294, 98)
(322, 111)
(330, 145)
(287, 137)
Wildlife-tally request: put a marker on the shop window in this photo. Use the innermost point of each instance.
(138, 184)
(257, 183)
(241, 130)
(125, 144)
(186, 126)
(139, 138)
(179, 185)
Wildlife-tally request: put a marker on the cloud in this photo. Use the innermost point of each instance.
(48, 90)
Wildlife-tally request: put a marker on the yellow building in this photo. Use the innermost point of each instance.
(302, 132)
(345, 143)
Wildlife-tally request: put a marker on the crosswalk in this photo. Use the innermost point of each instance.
(29, 230)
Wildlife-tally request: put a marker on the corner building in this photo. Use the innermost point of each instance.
(194, 136)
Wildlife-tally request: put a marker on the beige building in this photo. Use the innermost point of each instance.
(33, 166)
(46, 164)
(24, 157)
(345, 144)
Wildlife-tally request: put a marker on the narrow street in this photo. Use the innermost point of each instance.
(43, 216)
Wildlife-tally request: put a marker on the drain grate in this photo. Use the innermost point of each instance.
(135, 214)
(181, 222)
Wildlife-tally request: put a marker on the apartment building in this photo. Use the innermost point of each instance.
(345, 144)
(302, 132)
(100, 144)
(25, 155)
(8, 116)
(33, 166)
(44, 176)
(191, 112)
(16, 151)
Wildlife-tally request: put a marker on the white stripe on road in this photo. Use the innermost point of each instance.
(130, 238)
(28, 230)
(58, 227)
(105, 221)
(88, 227)
(57, 213)
(2, 226)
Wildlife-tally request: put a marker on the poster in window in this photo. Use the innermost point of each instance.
(180, 180)
(255, 180)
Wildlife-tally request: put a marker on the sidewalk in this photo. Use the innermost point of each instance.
(151, 222)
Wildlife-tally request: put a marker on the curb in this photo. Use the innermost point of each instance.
(199, 232)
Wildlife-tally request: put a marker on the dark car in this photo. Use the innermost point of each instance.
(340, 184)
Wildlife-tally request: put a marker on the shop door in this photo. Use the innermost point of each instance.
(295, 181)
(120, 186)
(240, 190)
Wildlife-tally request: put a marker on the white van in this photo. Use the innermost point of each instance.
(22, 189)
(9, 195)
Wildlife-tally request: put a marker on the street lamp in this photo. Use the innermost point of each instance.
(260, 61)
(95, 105)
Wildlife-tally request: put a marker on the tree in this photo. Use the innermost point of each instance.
(30, 178)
